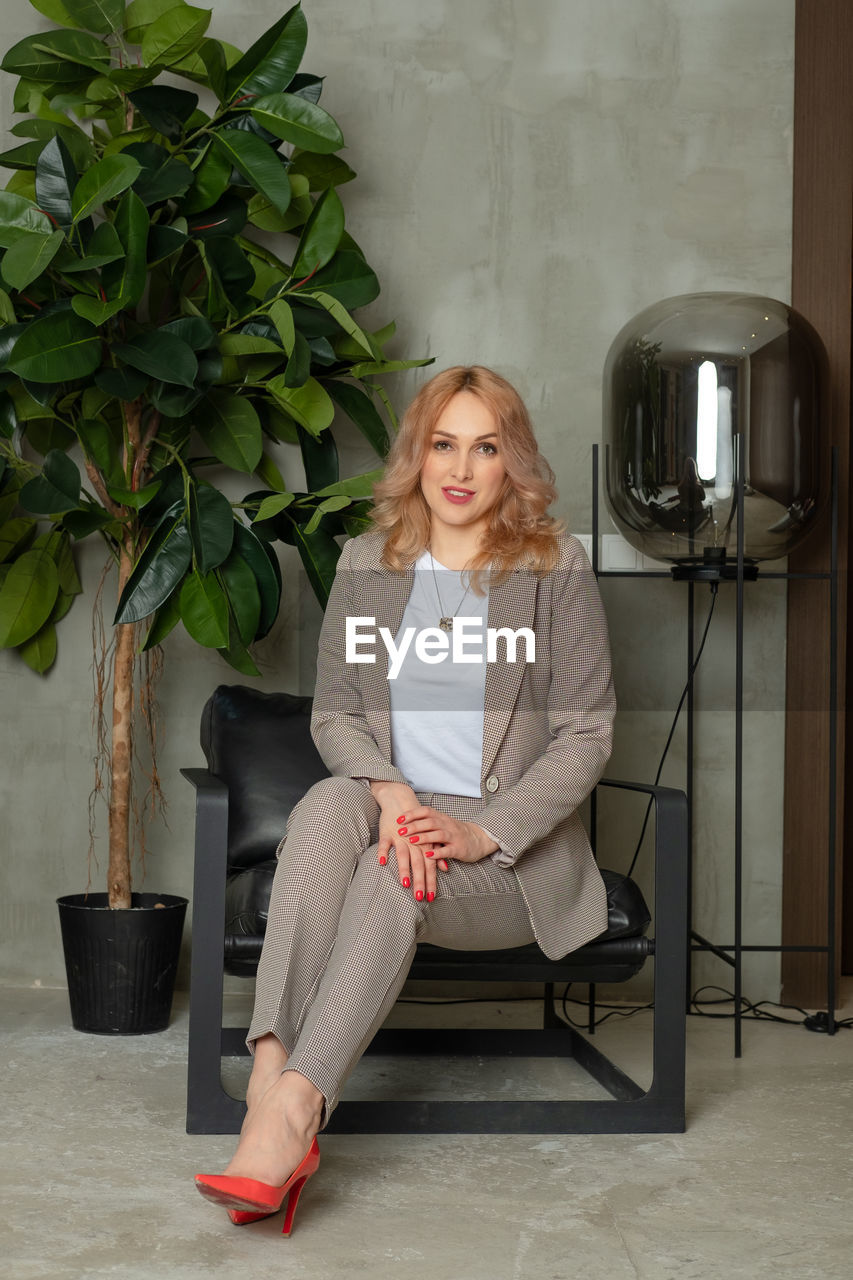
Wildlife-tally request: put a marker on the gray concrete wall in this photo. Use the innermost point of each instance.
(531, 174)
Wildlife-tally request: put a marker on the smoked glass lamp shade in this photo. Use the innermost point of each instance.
(682, 381)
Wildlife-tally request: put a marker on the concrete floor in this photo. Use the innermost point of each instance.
(98, 1169)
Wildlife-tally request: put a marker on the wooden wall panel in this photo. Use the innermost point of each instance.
(821, 290)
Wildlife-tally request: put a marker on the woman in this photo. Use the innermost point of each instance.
(451, 816)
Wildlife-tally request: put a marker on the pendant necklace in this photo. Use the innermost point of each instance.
(446, 620)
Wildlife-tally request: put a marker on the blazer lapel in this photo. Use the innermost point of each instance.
(384, 598)
(512, 603)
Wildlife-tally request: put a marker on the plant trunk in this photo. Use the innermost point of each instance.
(121, 751)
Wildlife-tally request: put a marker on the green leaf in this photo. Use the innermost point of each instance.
(272, 61)
(282, 317)
(299, 365)
(124, 280)
(319, 553)
(56, 348)
(212, 178)
(354, 487)
(310, 404)
(245, 344)
(7, 311)
(197, 332)
(204, 611)
(157, 572)
(102, 16)
(100, 443)
(349, 279)
(141, 13)
(174, 35)
(56, 178)
(372, 367)
(95, 310)
(232, 430)
(229, 268)
(161, 356)
(270, 474)
(104, 247)
(321, 171)
(295, 120)
(56, 11)
(339, 312)
(56, 489)
(213, 56)
(166, 619)
(227, 219)
(18, 216)
(136, 499)
(106, 179)
(123, 384)
(39, 652)
(244, 597)
(27, 597)
(15, 536)
(166, 108)
(86, 520)
(58, 57)
(162, 176)
(258, 163)
(363, 412)
(321, 235)
(328, 506)
(29, 257)
(211, 527)
(319, 459)
(238, 656)
(267, 575)
(163, 242)
(272, 505)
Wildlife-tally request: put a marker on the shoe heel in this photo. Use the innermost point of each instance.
(292, 1201)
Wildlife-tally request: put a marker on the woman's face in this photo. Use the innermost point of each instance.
(463, 471)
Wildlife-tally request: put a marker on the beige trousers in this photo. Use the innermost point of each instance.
(342, 930)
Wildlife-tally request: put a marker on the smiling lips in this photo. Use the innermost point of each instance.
(458, 495)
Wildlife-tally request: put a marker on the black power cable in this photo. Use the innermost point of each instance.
(674, 724)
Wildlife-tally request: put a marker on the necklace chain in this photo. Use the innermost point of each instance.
(446, 620)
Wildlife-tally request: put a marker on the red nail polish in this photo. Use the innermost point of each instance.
(414, 839)
(382, 860)
(406, 882)
(402, 818)
(430, 896)
(401, 831)
(443, 864)
(419, 895)
(429, 853)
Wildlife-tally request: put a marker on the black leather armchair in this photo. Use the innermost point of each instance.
(261, 760)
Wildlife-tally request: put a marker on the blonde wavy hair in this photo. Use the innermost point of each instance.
(520, 533)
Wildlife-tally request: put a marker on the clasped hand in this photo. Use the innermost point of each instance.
(425, 839)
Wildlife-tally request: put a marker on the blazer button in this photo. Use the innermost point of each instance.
(492, 783)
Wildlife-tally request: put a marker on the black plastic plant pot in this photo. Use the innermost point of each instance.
(121, 964)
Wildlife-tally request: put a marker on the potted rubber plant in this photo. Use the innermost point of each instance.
(177, 290)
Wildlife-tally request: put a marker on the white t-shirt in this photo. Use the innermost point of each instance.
(437, 705)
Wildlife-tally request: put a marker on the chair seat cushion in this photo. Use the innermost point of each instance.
(247, 905)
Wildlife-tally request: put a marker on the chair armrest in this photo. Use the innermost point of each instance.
(211, 858)
(671, 870)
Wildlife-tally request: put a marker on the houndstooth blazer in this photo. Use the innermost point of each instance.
(547, 728)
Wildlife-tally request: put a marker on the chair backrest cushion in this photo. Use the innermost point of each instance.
(260, 745)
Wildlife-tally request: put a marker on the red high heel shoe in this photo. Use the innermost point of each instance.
(259, 1198)
(241, 1217)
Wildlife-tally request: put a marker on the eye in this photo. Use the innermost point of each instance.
(488, 449)
(441, 445)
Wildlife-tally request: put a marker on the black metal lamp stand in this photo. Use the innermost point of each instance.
(739, 572)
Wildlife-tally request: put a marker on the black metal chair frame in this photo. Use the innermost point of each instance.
(658, 1109)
